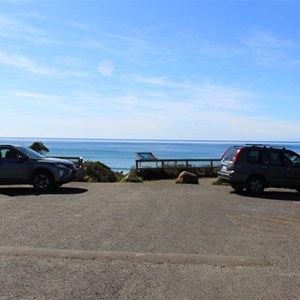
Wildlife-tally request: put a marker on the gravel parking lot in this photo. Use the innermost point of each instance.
(155, 240)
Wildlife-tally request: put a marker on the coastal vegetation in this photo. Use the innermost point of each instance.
(95, 171)
(39, 147)
(172, 172)
(132, 177)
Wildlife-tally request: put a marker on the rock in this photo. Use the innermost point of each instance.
(187, 177)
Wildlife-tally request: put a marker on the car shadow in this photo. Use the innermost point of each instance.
(24, 191)
(272, 195)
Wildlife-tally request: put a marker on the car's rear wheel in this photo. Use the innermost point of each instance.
(255, 184)
(42, 181)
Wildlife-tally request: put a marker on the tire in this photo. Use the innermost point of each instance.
(255, 184)
(42, 181)
(237, 186)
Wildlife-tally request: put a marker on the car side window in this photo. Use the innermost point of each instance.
(254, 156)
(7, 153)
(291, 159)
(272, 158)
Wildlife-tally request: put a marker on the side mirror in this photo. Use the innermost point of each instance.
(21, 158)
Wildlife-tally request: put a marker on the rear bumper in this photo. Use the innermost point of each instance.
(225, 175)
(232, 176)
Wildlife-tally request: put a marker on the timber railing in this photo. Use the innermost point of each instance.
(173, 163)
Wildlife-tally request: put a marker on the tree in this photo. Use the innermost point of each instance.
(39, 147)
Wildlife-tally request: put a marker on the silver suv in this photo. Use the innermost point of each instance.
(256, 167)
(19, 164)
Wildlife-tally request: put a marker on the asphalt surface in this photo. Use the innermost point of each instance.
(153, 240)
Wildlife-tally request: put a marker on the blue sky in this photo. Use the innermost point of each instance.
(150, 69)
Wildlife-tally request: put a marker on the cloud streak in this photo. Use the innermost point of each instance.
(147, 76)
(23, 62)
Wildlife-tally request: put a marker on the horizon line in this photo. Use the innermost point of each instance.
(154, 140)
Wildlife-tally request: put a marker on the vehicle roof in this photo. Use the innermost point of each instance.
(11, 145)
(261, 146)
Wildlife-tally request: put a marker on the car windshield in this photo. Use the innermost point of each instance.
(30, 153)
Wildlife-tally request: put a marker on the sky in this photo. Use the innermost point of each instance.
(160, 69)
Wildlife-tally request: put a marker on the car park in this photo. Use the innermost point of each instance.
(22, 165)
(256, 167)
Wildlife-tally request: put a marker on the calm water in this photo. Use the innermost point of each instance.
(120, 154)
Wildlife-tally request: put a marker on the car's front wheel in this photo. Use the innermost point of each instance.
(255, 184)
(42, 181)
(57, 185)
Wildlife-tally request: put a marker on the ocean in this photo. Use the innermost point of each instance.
(119, 154)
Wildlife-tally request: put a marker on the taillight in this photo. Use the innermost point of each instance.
(237, 155)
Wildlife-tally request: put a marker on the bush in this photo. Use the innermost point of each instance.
(98, 172)
(132, 177)
(220, 182)
(171, 172)
(39, 147)
(159, 173)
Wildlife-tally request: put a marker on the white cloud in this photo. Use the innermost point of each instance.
(29, 102)
(106, 68)
(264, 39)
(82, 26)
(14, 28)
(26, 63)
(33, 96)
(163, 81)
(23, 62)
(260, 47)
(267, 49)
(137, 116)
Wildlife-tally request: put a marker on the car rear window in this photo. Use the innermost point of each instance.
(230, 153)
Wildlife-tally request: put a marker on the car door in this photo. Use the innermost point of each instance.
(13, 167)
(291, 161)
(274, 169)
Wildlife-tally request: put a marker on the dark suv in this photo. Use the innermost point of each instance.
(19, 164)
(256, 167)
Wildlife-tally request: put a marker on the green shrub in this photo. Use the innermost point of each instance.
(220, 182)
(131, 177)
(98, 172)
(39, 147)
(159, 173)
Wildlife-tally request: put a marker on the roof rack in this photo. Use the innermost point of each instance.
(266, 146)
(256, 145)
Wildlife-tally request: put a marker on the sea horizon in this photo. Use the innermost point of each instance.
(152, 139)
